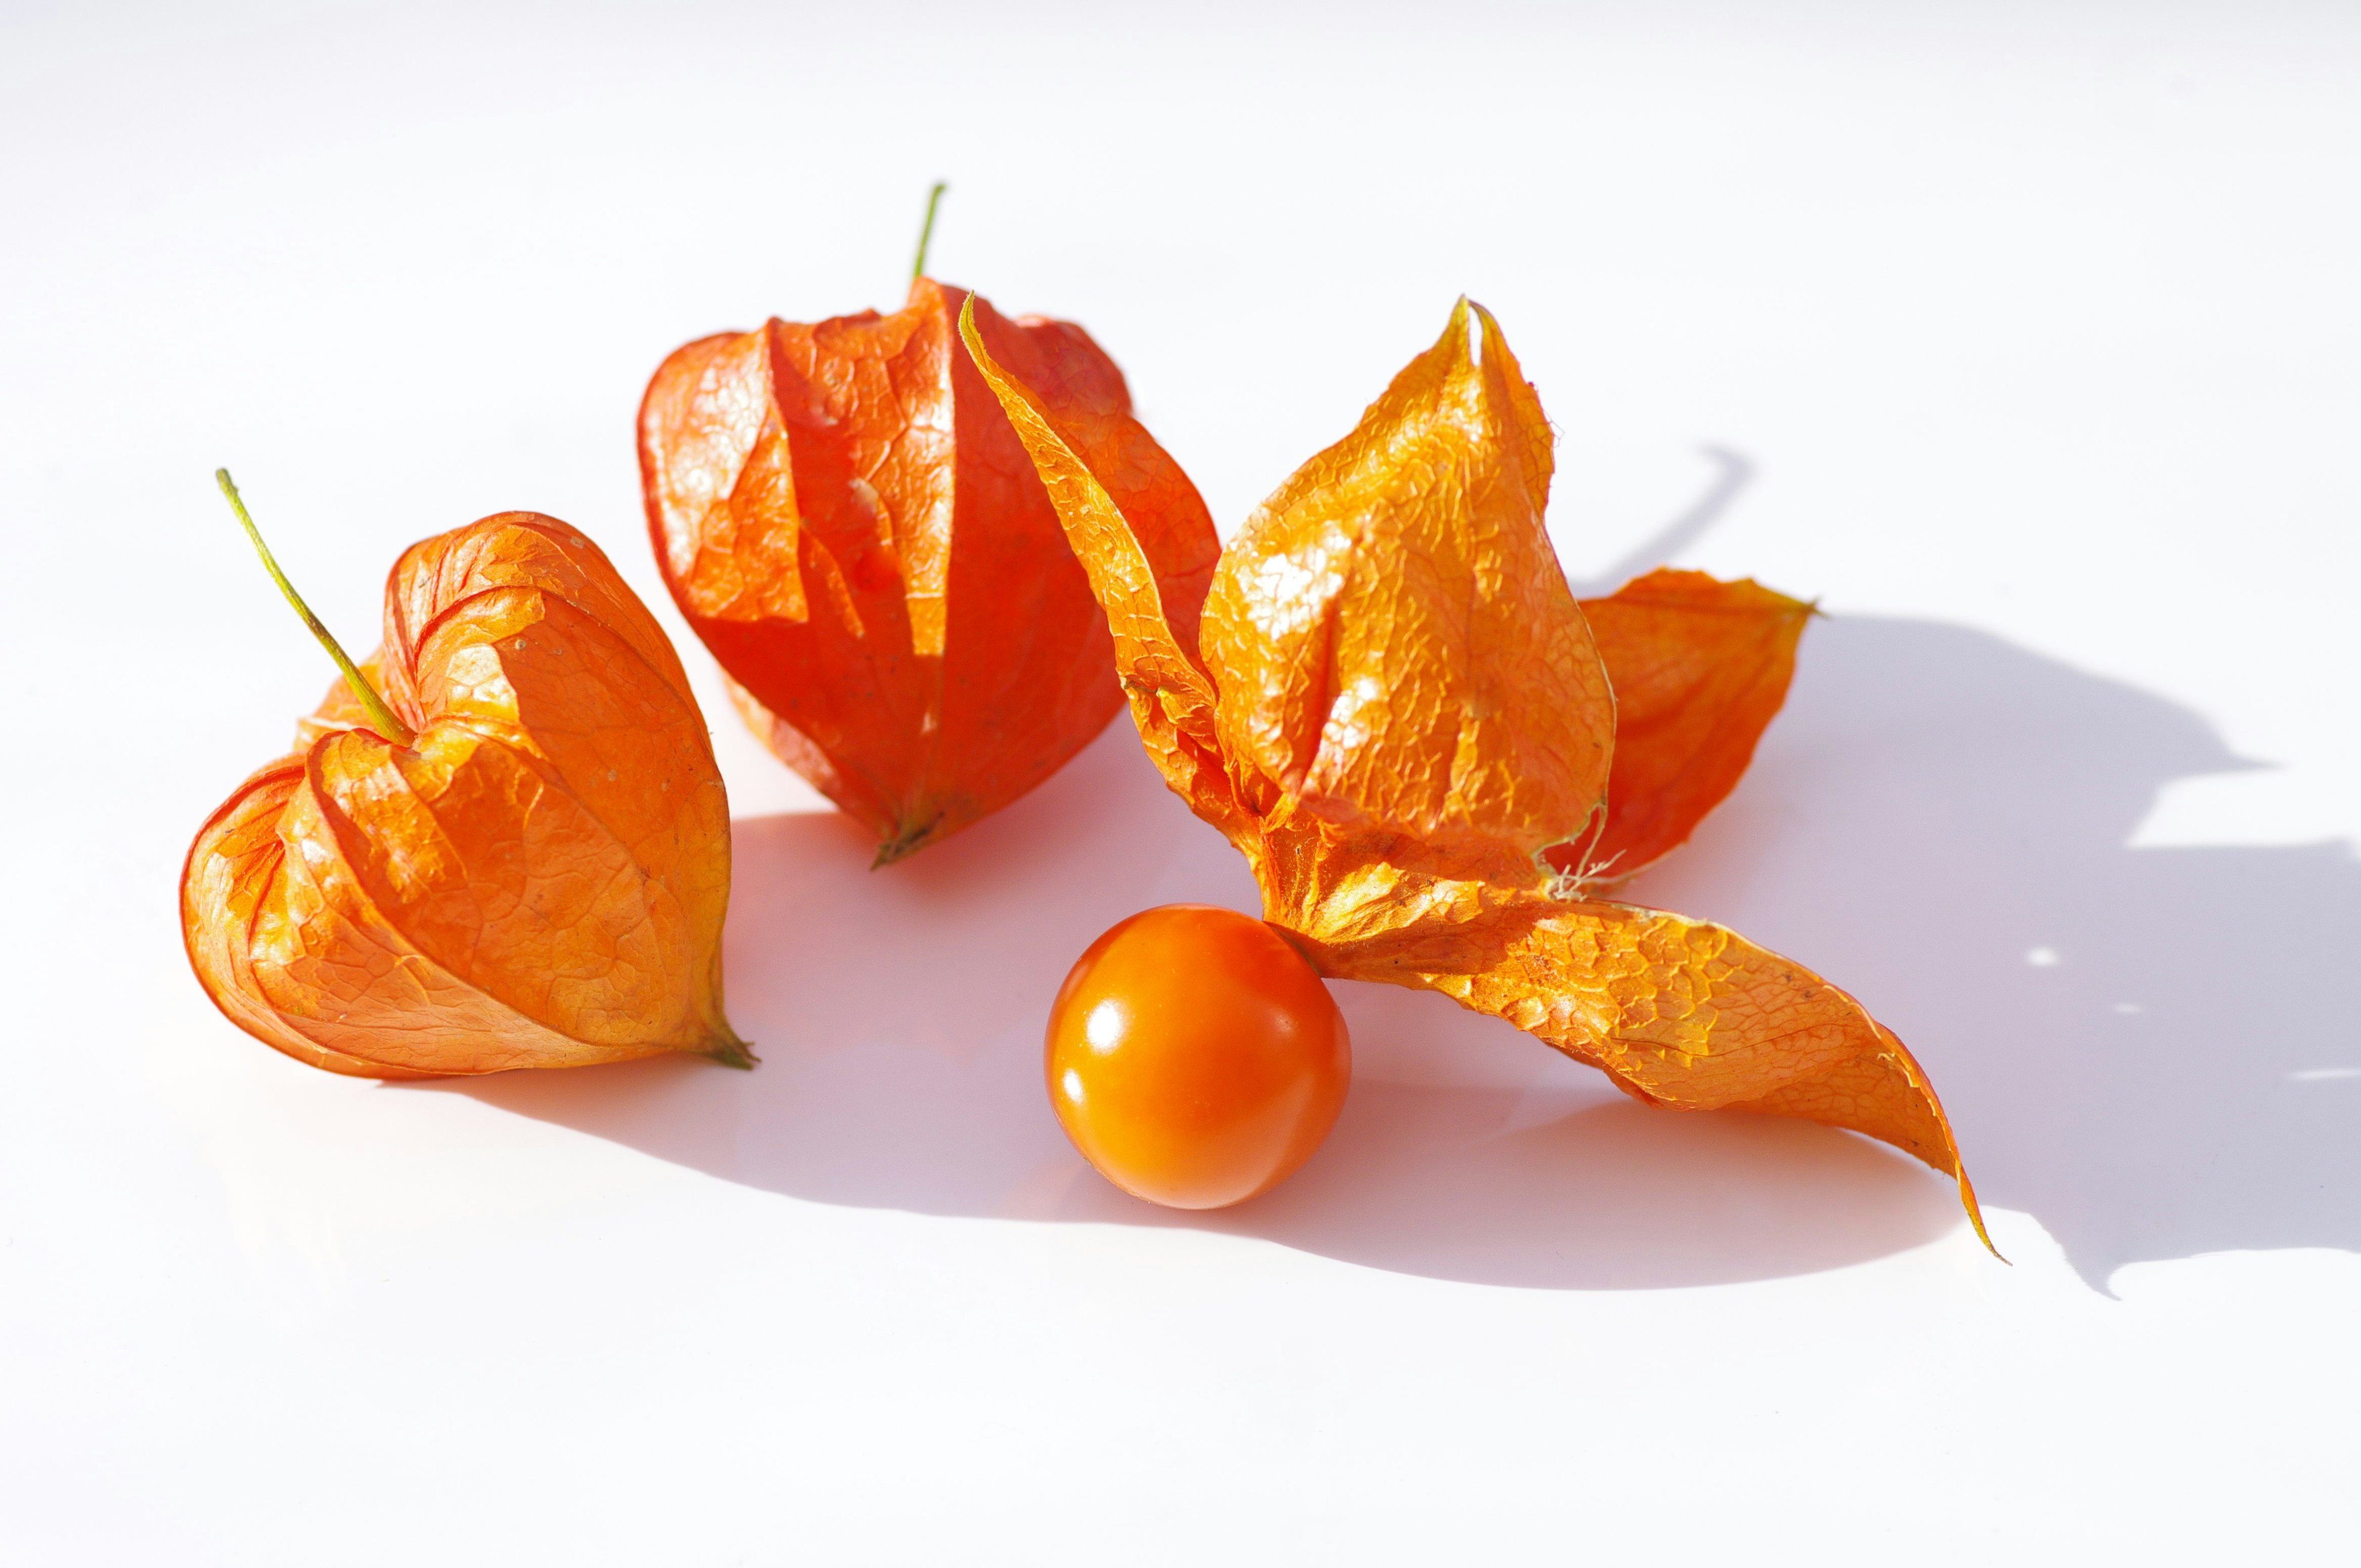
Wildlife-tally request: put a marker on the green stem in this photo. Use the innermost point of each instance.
(380, 716)
(934, 200)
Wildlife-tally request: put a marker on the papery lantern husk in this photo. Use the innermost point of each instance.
(848, 521)
(537, 878)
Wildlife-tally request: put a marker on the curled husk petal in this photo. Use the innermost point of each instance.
(537, 880)
(1679, 1012)
(848, 522)
(1398, 713)
(1700, 668)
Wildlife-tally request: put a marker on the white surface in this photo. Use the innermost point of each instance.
(2027, 337)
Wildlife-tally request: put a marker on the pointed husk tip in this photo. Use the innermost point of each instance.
(907, 842)
(730, 1051)
(1976, 1213)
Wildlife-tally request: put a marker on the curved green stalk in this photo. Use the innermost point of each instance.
(934, 200)
(380, 716)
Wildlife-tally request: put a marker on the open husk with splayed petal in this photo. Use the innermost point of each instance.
(1437, 761)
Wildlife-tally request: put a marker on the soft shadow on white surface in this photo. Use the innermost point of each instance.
(1732, 471)
(2147, 1050)
(2137, 1045)
(899, 1012)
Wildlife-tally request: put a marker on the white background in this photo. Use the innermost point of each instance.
(2027, 337)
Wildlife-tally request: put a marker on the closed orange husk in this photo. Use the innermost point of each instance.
(537, 879)
(1437, 761)
(847, 520)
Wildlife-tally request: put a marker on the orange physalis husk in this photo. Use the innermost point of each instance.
(1397, 710)
(537, 879)
(845, 518)
(1699, 668)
